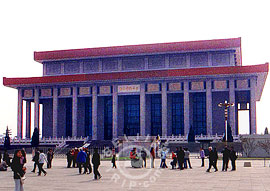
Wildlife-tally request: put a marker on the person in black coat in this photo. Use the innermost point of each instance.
(233, 158)
(0, 157)
(215, 159)
(35, 160)
(96, 163)
(225, 158)
(181, 157)
(69, 158)
(144, 155)
(212, 158)
(6, 158)
(18, 170)
(88, 163)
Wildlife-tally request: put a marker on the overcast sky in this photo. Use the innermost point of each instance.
(33, 25)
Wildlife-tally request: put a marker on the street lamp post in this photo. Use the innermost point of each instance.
(226, 106)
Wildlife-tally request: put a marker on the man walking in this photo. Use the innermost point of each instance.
(49, 158)
(180, 158)
(35, 160)
(211, 159)
(233, 158)
(96, 163)
(144, 155)
(81, 161)
(225, 158)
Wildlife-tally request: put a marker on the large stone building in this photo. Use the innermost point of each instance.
(152, 89)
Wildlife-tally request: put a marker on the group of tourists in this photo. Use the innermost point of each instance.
(39, 158)
(227, 154)
(181, 158)
(80, 158)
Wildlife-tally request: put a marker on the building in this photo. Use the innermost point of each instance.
(153, 89)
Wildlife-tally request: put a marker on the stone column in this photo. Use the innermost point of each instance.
(164, 108)
(36, 114)
(252, 106)
(74, 111)
(20, 116)
(142, 109)
(232, 109)
(28, 119)
(94, 113)
(186, 108)
(115, 112)
(209, 107)
(55, 111)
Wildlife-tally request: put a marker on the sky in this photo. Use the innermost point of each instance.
(35, 25)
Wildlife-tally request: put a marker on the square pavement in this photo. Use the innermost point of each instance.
(256, 178)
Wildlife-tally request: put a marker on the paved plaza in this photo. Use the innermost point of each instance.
(256, 178)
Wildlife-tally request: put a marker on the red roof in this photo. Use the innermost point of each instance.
(138, 49)
(15, 82)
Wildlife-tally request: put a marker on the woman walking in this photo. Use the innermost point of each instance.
(18, 169)
(41, 161)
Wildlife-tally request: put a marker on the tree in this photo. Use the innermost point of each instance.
(35, 138)
(191, 134)
(248, 144)
(229, 137)
(7, 139)
(266, 131)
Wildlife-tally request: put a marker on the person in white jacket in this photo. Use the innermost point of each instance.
(41, 161)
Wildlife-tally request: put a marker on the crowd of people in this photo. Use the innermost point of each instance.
(80, 158)
(181, 158)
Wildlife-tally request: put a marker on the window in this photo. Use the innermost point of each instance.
(156, 123)
(177, 114)
(199, 113)
(108, 118)
(132, 115)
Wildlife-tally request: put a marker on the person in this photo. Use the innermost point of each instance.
(69, 158)
(49, 158)
(41, 161)
(202, 155)
(163, 158)
(143, 155)
(96, 163)
(152, 156)
(113, 161)
(18, 170)
(88, 163)
(6, 157)
(211, 159)
(81, 161)
(174, 160)
(180, 158)
(35, 160)
(23, 158)
(186, 158)
(0, 157)
(136, 162)
(233, 158)
(75, 164)
(225, 158)
(215, 159)
(3, 166)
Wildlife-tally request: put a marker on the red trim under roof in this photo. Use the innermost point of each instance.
(138, 49)
(14, 82)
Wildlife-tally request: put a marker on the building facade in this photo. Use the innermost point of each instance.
(154, 89)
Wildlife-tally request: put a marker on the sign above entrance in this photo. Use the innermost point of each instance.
(128, 88)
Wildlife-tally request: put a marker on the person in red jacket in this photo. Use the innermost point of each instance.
(174, 158)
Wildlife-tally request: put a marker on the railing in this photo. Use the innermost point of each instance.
(49, 140)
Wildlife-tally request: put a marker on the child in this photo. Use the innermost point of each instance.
(113, 161)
